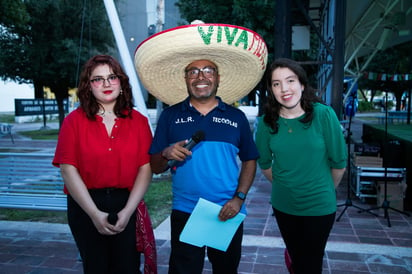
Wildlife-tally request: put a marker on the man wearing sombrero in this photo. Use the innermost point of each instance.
(187, 67)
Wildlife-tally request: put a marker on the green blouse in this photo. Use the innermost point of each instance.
(301, 157)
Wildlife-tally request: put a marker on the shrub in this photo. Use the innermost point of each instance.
(365, 106)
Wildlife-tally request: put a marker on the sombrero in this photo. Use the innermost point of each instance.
(239, 53)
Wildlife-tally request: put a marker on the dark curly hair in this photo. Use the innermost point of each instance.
(124, 103)
(272, 107)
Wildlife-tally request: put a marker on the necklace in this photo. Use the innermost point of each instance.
(290, 130)
(103, 112)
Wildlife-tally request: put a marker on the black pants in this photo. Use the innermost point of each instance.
(189, 259)
(305, 238)
(102, 254)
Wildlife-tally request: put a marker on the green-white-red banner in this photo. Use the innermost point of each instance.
(387, 76)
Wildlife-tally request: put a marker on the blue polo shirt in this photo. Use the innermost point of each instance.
(212, 171)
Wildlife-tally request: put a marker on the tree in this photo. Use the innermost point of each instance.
(255, 15)
(48, 51)
(13, 14)
(12, 22)
(394, 60)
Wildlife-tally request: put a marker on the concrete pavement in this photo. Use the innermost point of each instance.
(359, 242)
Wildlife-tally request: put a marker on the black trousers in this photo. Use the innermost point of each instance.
(305, 238)
(102, 254)
(189, 259)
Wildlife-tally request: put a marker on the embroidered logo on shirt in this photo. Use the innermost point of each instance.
(224, 121)
(184, 120)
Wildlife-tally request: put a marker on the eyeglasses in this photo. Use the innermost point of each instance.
(112, 80)
(193, 73)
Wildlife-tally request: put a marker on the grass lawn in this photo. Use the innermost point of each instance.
(42, 134)
(7, 117)
(158, 200)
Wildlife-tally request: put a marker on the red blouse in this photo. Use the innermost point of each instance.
(102, 160)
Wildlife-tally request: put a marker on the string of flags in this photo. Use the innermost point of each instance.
(387, 77)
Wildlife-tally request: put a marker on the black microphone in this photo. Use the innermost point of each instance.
(112, 218)
(196, 138)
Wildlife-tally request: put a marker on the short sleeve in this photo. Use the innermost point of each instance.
(263, 144)
(334, 139)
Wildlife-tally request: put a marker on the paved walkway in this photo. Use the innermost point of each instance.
(359, 242)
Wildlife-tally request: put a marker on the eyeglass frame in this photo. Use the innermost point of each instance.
(214, 70)
(99, 78)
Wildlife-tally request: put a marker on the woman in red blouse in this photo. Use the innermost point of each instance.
(102, 152)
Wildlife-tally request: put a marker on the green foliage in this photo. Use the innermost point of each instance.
(255, 15)
(47, 51)
(219, 12)
(365, 106)
(13, 14)
(394, 60)
(53, 41)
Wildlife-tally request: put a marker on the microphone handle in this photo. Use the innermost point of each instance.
(189, 146)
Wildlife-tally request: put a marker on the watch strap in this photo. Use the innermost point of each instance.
(240, 195)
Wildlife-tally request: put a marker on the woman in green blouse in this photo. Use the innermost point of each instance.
(302, 152)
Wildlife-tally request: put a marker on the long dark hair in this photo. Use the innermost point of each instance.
(272, 107)
(124, 102)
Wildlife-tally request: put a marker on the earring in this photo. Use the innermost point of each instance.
(121, 92)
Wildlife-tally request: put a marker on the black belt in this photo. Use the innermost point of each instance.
(107, 190)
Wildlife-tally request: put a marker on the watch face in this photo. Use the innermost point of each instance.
(241, 195)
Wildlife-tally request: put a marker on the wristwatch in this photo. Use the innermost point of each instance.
(240, 195)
